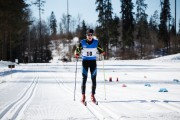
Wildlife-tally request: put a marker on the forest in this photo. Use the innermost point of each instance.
(131, 36)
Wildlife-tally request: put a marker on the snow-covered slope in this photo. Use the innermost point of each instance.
(174, 57)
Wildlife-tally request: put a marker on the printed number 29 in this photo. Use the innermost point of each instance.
(89, 53)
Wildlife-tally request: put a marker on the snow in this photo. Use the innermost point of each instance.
(175, 57)
(46, 91)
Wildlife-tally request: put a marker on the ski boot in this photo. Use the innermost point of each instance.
(83, 99)
(93, 99)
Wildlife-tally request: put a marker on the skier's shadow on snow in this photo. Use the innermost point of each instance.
(140, 101)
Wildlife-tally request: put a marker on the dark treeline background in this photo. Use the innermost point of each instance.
(131, 36)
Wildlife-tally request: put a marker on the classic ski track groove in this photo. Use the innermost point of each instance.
(100, 112)
(13, 109)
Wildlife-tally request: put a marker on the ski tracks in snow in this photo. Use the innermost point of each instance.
(99, 111)
(15, 108)
(102, 112)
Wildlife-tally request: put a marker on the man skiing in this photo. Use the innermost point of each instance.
(88, 48)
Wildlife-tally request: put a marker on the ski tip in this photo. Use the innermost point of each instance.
(84, 103)
(96, 103)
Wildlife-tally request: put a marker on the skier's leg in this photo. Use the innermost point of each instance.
(84, 76)
(93, 85)
(93, 70)
(83, 85)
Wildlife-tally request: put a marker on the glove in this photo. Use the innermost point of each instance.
(103, 53)
(76, 55)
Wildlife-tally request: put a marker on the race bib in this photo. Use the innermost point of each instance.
(89, 52)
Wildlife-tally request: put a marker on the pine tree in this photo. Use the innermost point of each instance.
(108, 11)
(108, 24)
(101, 20)
(127, 23)
(40, 5)
(153, 22)
(14, 21)
(100, 10)
(142, 25)
(104, 30)
(153, 30)
(165, 17)
(100, 28)
(53, 24)
(114, 30)
(83, 30)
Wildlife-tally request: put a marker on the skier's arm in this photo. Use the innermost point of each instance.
(78, 50)
(100, 49)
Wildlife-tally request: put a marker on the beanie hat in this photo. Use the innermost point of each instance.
(90, 31)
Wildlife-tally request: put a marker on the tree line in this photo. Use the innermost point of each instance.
(130, 36)
(21, 36)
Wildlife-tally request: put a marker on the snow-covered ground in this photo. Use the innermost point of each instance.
(46, 91)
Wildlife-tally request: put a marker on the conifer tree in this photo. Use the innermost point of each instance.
(165, 17)
(83, 30)
(105, 20)
(39, 46)
(100, 10)
(142, 26)
(127, 23)
(53, 24)
(14, 21)
(153, 22)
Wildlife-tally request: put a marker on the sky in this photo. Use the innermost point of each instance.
(86, 9)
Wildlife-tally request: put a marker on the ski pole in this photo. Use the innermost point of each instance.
(75, 80)
(104, 80)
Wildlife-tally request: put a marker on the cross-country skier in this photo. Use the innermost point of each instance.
(88, 48)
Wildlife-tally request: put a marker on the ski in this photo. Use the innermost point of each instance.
(84, 103)
(95, 102)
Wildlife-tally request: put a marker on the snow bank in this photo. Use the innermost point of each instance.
(174, 58)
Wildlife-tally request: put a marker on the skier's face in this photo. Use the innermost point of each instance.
(89, 36)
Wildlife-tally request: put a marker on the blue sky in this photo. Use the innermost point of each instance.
(86, 9)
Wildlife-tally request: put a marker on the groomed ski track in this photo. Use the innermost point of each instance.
(99, 111)
(14, 109)
(46, 91)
